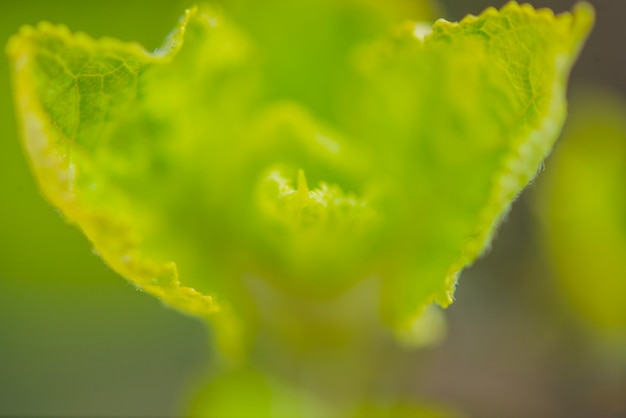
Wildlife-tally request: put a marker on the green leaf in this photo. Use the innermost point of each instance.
(309, 163)
(70, 91)
(248, 392)
(473, 109)
(582, 204)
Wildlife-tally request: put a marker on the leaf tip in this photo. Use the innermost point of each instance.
(175, 39)
(16, 42)
(584, 16)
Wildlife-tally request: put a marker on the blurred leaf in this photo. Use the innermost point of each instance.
(460, 123)
(404, 410)
(582, 203)
(249, 393)
(201, 162)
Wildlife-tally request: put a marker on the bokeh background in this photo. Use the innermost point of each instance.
(77, 340)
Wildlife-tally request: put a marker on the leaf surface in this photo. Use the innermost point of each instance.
(475, 107)
(198, 165)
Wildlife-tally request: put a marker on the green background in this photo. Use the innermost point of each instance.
(77, 340)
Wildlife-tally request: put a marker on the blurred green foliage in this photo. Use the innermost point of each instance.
(178, 165)
(327, 206)
(583, 208)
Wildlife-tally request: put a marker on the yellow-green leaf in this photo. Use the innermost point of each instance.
(461, 120)
(311, 162)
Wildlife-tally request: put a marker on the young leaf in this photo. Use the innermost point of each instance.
(473, 108)
(196, 165)
(70, 91)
